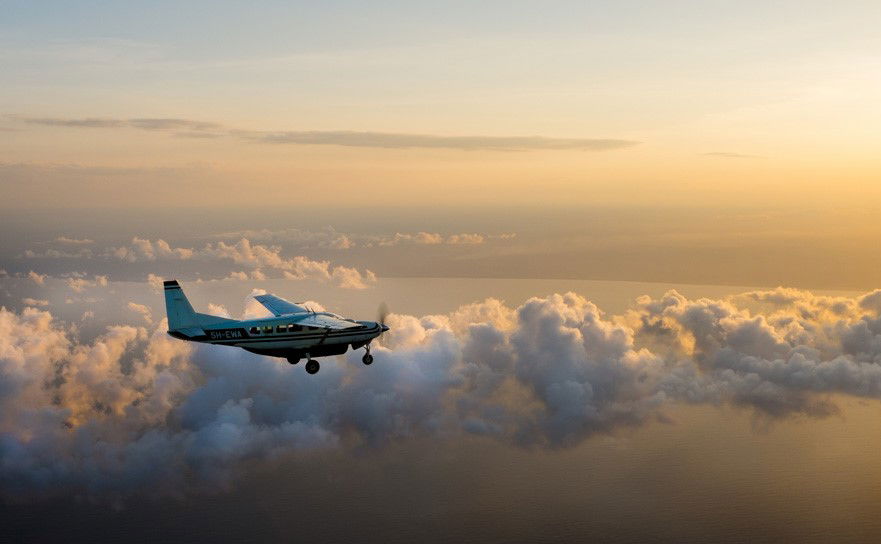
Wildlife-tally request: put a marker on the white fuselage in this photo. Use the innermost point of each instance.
(285, 337)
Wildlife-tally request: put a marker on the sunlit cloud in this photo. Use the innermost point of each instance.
(150, 414)
(257, 257)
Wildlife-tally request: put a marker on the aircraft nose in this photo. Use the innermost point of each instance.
(384, 327)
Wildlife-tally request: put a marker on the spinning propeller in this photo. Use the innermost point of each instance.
(381, 314)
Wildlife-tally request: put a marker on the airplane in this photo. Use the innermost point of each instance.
(294, 331)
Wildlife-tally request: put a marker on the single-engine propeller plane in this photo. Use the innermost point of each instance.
(293, 332)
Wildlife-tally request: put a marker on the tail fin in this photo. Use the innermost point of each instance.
(178, 309)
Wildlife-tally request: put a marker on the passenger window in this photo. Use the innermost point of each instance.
(254, 330)
(281, 328)
(267, 329)
(293, 328)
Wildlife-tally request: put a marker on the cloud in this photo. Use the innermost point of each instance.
(52, 253)
(325, 238)
(28, 301)
(135, 411)
(466, 239)
(74, 241)
(428, 141)
(345, 138)
(79, 284)
(329, 238)
(144, 311)
(424, 238)
(155, 282)
(143, 124)
(434, 238)
(257, 257)
(147, 250)
(39, 279)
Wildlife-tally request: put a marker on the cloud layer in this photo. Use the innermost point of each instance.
(255, 257)
(135, 411)
(203, 129)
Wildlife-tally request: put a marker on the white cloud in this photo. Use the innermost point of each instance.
(39, 279)
(257, 257)
(74, 241)
(78, 284)
(144, 311)
(52, 253)
(434, 238)
(146, 413)
(147, 250)
(329, 238)
(155, 282)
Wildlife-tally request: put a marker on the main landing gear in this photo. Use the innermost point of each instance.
(367, 359)
(312, 365)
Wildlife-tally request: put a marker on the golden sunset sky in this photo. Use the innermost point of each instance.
(704, 104)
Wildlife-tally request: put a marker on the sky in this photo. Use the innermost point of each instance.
(629, 248)
(657, 103)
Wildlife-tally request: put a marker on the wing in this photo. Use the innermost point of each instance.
(279, 306)
(325, 321)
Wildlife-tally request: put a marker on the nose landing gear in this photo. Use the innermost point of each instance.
(367, 359)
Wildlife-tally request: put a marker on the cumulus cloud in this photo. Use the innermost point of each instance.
(147, 250)
(434, 238)
(329, 238)
(346, 138)
(39, 279)
(256, 257)
(155, 282)
(136, 411)
(80, 284)
(74, 241)
(144, 311)
(53, 253)
(325, 238)
(28, 301)
(72, 248)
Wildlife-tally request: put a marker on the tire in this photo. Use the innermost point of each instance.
(293, 360)
(367, 359)
(312, 366)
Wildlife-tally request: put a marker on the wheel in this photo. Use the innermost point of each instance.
(367, 359)
(312, 366)
(293, 360)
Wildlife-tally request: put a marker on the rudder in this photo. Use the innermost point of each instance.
(178, 309)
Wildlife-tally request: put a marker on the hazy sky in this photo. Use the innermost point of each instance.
(698, 103)
(524, 183)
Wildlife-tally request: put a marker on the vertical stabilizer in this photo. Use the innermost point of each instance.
(178, 309)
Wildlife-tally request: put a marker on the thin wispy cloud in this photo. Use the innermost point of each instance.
(403, 141)
(346, 138)
(142, 123)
